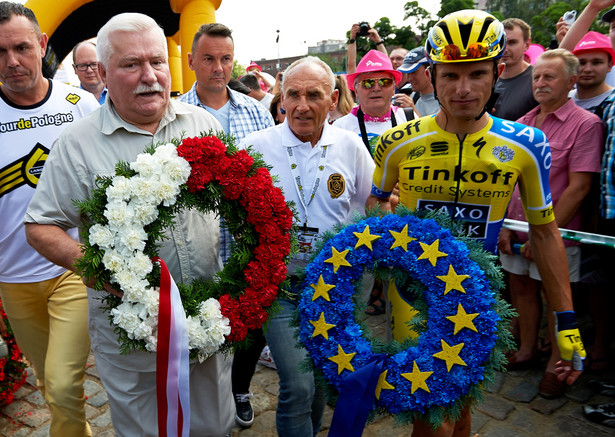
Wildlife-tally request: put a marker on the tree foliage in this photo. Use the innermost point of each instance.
(449, 6)
(238, 70)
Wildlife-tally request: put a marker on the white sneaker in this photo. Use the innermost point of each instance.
(266, 359)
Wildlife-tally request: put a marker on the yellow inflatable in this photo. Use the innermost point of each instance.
(69, 22)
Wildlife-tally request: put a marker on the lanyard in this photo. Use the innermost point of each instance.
(294, 169)
(360, 117)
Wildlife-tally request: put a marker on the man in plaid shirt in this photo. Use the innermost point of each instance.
(212, 61)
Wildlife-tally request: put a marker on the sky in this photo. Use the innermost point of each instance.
(302, 24)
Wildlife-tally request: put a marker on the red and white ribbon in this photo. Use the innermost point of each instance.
(172, 360)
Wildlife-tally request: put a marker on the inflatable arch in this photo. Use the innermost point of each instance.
(71, 21)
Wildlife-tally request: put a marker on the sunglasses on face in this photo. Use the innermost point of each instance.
(452, 53)
(384, 82)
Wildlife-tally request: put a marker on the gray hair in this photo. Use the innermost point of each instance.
(126, 22)
(571, 62)
(314, 61)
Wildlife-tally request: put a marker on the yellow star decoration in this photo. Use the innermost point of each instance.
(321, 289)
(417, 378)
(383, 384)
(401, 239)
(450, 354)
(463, 320)
(453, 280)
(342, 359)
(321, 327)
(338, 259)
(365, 238)
(431, 252)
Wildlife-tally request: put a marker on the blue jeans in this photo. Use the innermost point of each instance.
(300, 402)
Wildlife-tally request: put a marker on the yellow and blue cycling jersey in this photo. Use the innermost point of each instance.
(470, 178)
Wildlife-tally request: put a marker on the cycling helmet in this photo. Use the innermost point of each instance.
(465, 36)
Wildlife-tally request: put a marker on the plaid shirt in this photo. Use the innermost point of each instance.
(246, 115)
(607, 175)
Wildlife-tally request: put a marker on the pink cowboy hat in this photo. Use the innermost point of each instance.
(252, 65)
(373, 61)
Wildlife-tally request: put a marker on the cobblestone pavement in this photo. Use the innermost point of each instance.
(512, 408)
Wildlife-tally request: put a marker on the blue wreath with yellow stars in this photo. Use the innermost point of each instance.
(454, 351)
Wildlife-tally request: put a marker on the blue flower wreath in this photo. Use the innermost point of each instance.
(451, 355)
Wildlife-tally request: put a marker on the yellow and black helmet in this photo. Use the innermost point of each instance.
(466, 36)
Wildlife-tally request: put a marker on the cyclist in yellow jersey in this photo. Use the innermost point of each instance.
(465, 162)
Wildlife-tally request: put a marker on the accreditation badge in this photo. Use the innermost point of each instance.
(306, 237)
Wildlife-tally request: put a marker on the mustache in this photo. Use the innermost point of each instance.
(143, 89)
(544, 89)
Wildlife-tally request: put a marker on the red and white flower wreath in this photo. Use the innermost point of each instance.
(127, 214)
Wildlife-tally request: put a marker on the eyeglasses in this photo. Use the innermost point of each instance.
(84, 67)
(475, 51)
(384, 82)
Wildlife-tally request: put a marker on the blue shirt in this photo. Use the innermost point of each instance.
(103, 95)
(245, 115)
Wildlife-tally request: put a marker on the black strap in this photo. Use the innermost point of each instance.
(360, 117)
(409, 114)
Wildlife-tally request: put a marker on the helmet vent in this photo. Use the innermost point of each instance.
(465, 30)
(484, 29)
(447, 33)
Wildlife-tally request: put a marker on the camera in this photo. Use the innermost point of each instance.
(570, 16)
(364, 28)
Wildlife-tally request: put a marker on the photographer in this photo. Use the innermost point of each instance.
(362, 29)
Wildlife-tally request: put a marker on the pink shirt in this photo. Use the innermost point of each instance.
(576, 138)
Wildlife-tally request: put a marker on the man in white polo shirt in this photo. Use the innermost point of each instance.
(326, 172)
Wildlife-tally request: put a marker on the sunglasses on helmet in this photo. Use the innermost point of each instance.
(475, 50)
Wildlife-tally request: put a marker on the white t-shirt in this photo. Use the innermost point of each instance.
(26, 137)
(266, 101)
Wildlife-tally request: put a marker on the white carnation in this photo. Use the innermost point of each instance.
(142, 330)
(167, 193)
(145, 189)
(151, 303)
(132, 286)
(210, 309)
(119, 189)
(145, 212)
(166, 152)
(119, 213)
(140, 264)
(146, 165)
(178, 170)
(102, 236)
(126, 317)
(113, 261)
(134, 238)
